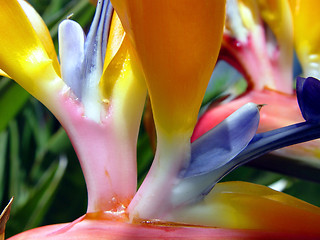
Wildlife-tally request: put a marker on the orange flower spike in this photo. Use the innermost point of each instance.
(178, 43)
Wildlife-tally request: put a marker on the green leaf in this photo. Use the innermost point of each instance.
(12, 99)
(59, 142)
(15, 171)
(145, 156)
(31, 213)
(3, 150)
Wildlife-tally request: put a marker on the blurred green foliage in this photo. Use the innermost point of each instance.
(39, 167)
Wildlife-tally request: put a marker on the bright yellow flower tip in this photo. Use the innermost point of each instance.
(115, 39)
(22, 55)
(177, 43)
(2, 73)
(276, 13)
(249, 13)
(307, 35)
(251, 206)
(42, 31)
(122, 78)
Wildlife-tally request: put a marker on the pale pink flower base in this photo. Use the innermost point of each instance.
(85, 228)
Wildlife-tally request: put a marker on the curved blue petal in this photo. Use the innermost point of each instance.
(308, 94)
(71, 52)
(266, 142)
(193, 189)
(96, 42)
(212, 155)
(218, 146)
(82, 59)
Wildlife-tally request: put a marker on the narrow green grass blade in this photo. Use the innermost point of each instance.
(12, 99)
(44, 194)
(3, 150)
(30, 214)
(15, 172)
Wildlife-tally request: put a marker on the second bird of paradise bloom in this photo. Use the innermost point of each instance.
(97, 92)
(263, 34)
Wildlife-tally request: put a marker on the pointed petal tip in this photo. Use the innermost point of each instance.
(4, 217)
(260, 106)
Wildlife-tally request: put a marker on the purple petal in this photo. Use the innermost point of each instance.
(212, 155)
(71, 51)
(308, 93)
(96, 42)
(218, 146)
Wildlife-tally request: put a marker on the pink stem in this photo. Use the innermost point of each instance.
(107, 158)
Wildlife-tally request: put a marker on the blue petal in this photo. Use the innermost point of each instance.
(193, 189)
(266, 142)
(96, 42)
(82, 59)
(308, 93)
(71, 51)
(212, 155)
(224, 142)
(94, 51)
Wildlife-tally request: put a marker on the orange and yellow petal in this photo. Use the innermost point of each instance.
(244, 205)
(3, 74)
(122, 81)
(22, 55)
(177, 43)
(278, 17)
(249, 13)
(42, 31)
(277, 14)
(115, 39)
(307, 35)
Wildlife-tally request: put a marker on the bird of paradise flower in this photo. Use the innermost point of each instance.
(98, 92)
(263, 34)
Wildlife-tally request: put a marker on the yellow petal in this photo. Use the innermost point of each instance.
(177, 43)
(42, 31)
(251, 206)
(2, 73)
(277, 14)
(307, 35)
(116, 36)
(22, 55)
(122, 78)
(124, 87)
(249, 13)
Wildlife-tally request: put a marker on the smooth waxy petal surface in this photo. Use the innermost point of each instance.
(212, 155)
(307, 35)
(22, 55)
(2, 73)
(225, 141)
(250, 206)
(71, 48)
(177, 43)
(42, 31)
